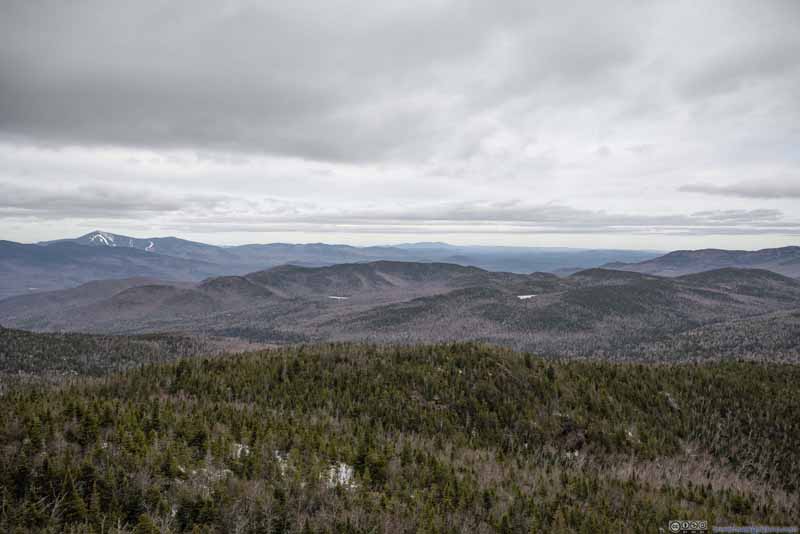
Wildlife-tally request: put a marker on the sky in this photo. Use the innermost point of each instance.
(642, 125)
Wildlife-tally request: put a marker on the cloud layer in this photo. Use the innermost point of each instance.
(788, 189)
(308, 118)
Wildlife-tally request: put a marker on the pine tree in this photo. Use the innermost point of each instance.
(280, 520)
(145, 525)
(95, 506)
(74, 505)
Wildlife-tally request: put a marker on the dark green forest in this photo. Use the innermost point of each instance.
(33, 357)
(358, 438)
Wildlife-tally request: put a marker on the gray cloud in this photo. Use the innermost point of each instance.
(512, 217)
(521, 118)
(94, 201)
(737, 69)
(337, 80)
(227, 213)
(789, 189)
(253, 77)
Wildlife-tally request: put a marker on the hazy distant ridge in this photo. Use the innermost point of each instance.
(784, 260)
(97, 255)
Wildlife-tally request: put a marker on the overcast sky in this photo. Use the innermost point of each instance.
(654, 125)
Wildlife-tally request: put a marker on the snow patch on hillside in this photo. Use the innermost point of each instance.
(341, 474)
(282, 459)
(525, 297)
(240, 449)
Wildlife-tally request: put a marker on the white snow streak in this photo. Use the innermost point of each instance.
(101, 237)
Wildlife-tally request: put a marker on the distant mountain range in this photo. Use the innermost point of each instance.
(682, 304)
(785, 260)
(65, 263)
(594, 312)
(236, 257)
(29, 268)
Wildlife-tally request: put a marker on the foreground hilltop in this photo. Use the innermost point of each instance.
(349, 438)
(30, 357)
(595, 312)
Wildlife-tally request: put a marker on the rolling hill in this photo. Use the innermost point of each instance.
(595, 312)
(114, 306)
(604, 313)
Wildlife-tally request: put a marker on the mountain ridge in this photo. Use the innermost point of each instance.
(782, 260)
(71, 262)
(25, 268)
(601, 312)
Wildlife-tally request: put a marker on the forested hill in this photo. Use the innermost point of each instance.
(34, 357)
(595, 312)
(444, 438)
